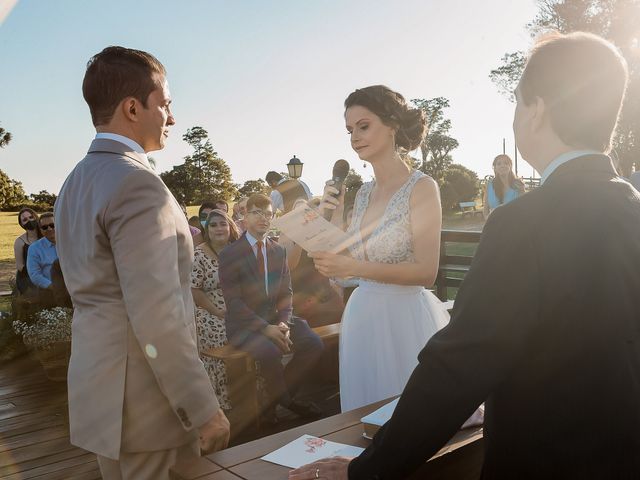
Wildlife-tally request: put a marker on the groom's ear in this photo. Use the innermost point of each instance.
(130, 108)
(539, 114)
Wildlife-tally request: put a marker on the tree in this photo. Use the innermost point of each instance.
(438, 144)
(460, 185)
(11, 192)
(204, 175)
(5, 137)
(250, 187)
(615, 20)
(44, 198)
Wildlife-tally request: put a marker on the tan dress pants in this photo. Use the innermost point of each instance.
(146, 465)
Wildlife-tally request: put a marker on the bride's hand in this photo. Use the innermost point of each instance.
(332, 265)
(333, 200)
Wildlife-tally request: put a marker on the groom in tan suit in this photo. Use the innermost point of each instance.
(138, 392)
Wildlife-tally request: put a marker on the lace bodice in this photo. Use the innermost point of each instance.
(391, 240)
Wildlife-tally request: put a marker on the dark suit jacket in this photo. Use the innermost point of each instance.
(546, 330)
(249, 308)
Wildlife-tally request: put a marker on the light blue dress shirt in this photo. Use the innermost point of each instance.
(40, 258)
(562, 159)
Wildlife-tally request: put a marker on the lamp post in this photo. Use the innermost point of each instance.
(295, 167)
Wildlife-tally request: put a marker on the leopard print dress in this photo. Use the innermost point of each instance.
(211, 329)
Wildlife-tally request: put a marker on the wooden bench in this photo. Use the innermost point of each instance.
(457, 248)
(242, 379)
(469, 207)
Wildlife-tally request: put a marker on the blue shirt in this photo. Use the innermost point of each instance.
(562, 159)
(493, 200)
(40, 258)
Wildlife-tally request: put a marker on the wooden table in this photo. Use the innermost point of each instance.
(461, 458)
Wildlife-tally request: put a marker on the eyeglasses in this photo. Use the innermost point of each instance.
(265, 215)
(47, 227)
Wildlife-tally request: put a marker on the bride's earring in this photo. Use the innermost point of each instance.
(364, 164)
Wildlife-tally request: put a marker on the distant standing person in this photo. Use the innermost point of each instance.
(138, 392)
(505, 186)
(285, 191)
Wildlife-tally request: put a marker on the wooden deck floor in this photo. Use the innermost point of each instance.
(34, 430)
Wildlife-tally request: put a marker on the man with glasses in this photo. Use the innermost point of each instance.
(256, 284)
(42, 254)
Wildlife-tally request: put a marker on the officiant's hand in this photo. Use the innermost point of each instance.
(332, 265)
(335, 468)
(214, 435)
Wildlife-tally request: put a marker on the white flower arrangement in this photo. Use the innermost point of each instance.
(50, 326)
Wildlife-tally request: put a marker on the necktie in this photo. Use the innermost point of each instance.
(260, 258)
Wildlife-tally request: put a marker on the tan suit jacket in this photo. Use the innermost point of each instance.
(136, 383)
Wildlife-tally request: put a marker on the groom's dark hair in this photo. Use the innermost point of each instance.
(582, 80)
(115, 74)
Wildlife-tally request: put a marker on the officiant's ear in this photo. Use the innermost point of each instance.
(130, 106)
(539, 114)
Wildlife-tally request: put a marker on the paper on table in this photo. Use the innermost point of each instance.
(311, 231)
(308, 449)
(381, 415)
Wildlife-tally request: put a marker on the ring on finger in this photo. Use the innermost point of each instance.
(317, 473)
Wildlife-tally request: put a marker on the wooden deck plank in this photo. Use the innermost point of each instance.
(49, 469)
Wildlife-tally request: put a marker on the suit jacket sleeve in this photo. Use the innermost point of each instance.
(494, 314)
(284, 299)
(231, 281)
(140, 222)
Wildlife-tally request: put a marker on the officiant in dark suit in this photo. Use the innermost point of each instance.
(256, 285)
(546, 327)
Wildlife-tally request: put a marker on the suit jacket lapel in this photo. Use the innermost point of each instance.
(273, 268)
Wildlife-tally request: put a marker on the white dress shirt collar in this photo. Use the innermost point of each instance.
(132, 144)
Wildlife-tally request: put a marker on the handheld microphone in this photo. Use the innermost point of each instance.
(340, 172)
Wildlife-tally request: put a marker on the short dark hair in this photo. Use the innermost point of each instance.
(221, 200)
(258, 200)
(45, 215)
(115, 74)
(207, 204)
(273, 177)
(582, 80)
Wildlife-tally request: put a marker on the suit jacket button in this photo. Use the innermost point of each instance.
(187, 424)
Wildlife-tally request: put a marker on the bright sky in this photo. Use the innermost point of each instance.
(267, 79)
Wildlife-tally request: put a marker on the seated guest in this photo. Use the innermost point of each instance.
(257, 290)
(43, 253)
(239, 211)
(196, 234)
(313, 296)
(221, 205)
(285, 191)
(28, 220)
(505, 186)
(219, 231)
(204, 211)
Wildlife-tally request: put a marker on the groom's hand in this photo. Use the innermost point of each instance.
(214, 435)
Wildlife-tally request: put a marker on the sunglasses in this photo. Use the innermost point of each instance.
(47, 227)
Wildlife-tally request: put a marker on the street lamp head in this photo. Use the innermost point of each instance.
(295, 167)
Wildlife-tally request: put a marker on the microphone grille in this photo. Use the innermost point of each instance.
(341, 169)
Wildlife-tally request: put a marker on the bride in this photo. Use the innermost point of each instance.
(396, 231)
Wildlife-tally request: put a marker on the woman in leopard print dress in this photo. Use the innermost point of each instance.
(219, 230)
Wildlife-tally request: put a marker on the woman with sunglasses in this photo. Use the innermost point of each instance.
(28, 220)
(219, 230)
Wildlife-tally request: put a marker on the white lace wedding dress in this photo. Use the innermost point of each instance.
(384, 326)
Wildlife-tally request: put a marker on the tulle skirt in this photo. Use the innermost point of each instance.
(384, 328)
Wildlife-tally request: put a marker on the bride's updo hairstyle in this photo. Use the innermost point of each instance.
(409, 123)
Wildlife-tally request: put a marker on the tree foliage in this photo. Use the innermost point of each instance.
(5, 137)
(45, 198)
(460, 185)
(438, 144)
(11, 192)
(250, 187)
(203, 175)
(615, 20)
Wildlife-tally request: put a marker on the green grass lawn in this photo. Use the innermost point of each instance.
(9, 231)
